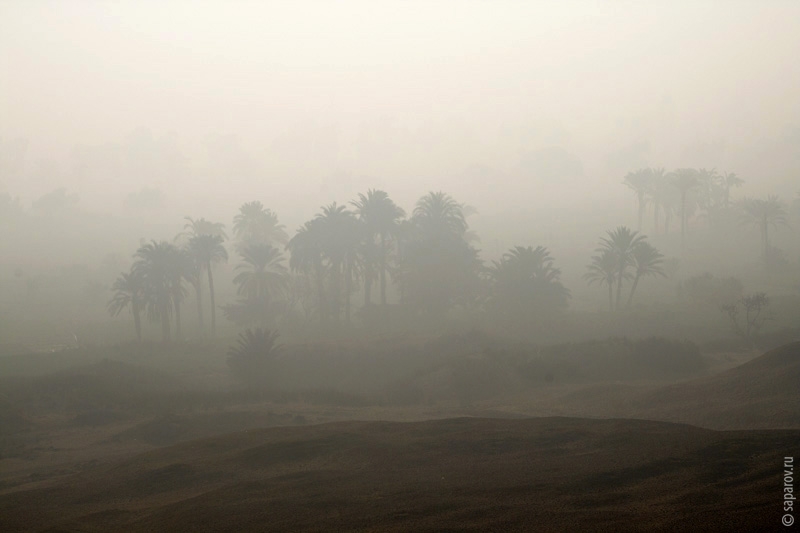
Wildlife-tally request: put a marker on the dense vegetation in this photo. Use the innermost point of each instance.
(369, 264)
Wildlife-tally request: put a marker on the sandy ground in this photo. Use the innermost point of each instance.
(483, 465)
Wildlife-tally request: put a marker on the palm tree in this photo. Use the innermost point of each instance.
(179, 269)
(262, 274)
(155, 263)
(730, 180)
(648, 262)
(640, 182)
(256, 224)
(201, 226)
(521, 263)
(128, 293)
(369, 253)
(525, 282)
(381, 217)
(339, 238)
(438, 214)
(656, 189)
(763, 214)
(306, 257)
(207, 250)
(621, 242)
(604, 269)
(438, 265)
(353, 239)
(710, 193)
(253, 351)
(685, 180)
(194, 275)
(666, 197)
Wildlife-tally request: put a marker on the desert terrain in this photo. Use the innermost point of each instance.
(143, 442)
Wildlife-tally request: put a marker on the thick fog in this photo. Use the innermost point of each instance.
(399, 265)
(139, 114)
(311, 101)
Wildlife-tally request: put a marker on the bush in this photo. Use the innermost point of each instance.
(709, 290)
(614, 359)
(665, 356)
(249, 360)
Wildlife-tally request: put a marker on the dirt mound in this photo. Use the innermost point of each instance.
(453, 474)
(782, 358)
(763, 393)
(103, 385)
(172, 428)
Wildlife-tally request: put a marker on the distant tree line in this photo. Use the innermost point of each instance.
(428, 259)
(368, 245)
(687, 192)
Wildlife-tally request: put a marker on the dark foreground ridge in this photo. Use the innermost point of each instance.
(763, 393)
(559, 474)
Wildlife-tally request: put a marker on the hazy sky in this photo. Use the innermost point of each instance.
(503, 104)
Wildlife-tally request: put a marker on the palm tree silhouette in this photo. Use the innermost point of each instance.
(685, 180)
(439, 214)
(525, 282)
(369, 253)
(604, 269)
(194, 275)
(438, 265)
(253, 351)
(339, 238)
(306, 258)
(179, 269)
(155, 263)
(262, 274)
(621, 242)
(381, 217)
(256, 224)
(641, 183)
(208, 250)
(710, 194)
(730, 180)
(647, 261)
(128, 293)
(763, 214)
(201, 226)
(655, 190)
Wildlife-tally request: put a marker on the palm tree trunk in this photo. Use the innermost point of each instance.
(348, 280)
(633, 289)
(177, 320)
(368, 285)
(213, 310)
(383, 269)
(765, 238)
(619, 287)
(611, 297)
(137, 320)
(655, 216)
(683, 219)
(166, 330)
(641, 210)
(323, 299)
(337, 290)
(198, 288)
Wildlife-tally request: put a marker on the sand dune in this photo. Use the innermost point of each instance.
(616, 472)
(763, 393)
(479, 474)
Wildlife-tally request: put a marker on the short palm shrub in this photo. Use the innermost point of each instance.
(250, 358)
